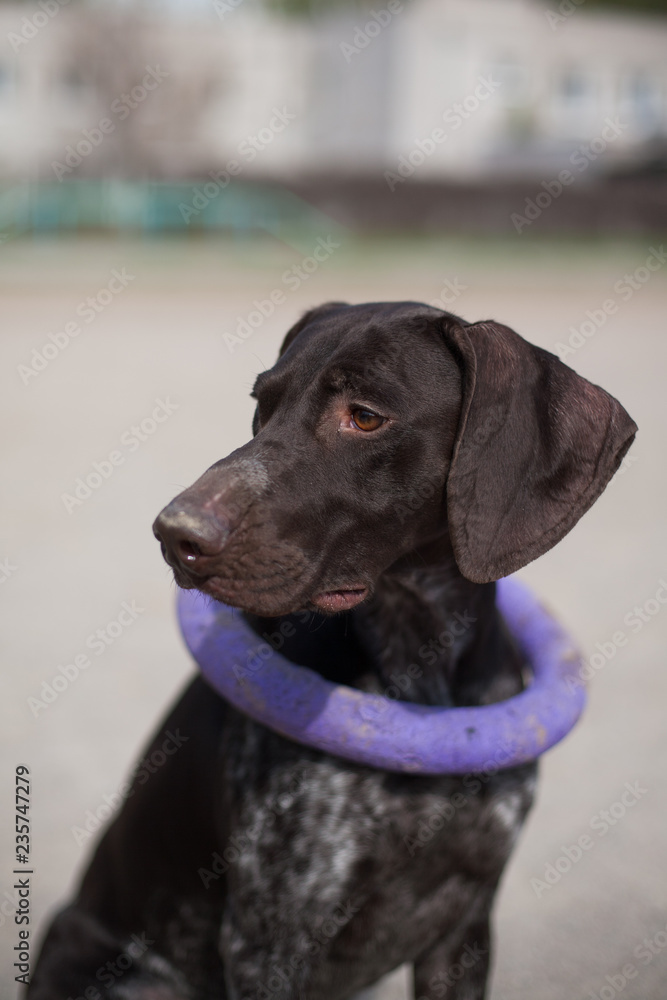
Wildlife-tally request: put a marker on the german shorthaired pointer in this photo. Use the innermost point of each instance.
(402, 461)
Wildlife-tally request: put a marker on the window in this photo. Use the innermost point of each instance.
(576, 90)
(641, 101)
(514, 81)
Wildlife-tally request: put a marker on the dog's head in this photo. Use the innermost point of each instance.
(381, 427)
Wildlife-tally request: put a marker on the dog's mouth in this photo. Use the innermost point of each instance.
(327, 602)
(343, 599)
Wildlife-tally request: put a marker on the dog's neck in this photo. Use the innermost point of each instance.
(426, 635)
(434, 636)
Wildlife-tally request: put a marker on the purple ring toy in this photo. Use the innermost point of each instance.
(380, 732)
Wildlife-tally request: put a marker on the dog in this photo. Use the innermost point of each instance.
(403, 460)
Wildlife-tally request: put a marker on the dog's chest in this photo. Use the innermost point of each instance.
(342, 864)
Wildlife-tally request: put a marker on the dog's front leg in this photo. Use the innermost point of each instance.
(458, 972)
(81, 957)
(263, 965)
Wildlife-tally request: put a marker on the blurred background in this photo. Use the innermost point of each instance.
(179, 181)
(110, 111)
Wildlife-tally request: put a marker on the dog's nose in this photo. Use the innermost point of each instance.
(190, 538)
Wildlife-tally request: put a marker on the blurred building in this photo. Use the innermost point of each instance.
(560, 78)
(514, 86)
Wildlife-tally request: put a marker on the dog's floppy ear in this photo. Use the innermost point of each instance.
(535, 447)
(307, 318)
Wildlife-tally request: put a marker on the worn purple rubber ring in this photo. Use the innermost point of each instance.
(381, 732)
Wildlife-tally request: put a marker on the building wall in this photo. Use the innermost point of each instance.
(283, 96)
(559, 80)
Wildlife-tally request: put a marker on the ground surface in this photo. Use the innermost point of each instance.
(68, 572)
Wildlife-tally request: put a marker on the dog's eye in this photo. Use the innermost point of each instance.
(366, 420)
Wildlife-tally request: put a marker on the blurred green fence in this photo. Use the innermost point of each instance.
(149, 207)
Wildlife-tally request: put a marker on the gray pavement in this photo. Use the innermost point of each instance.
(70, 565)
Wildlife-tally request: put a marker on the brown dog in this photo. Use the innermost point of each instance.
(403, 460)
